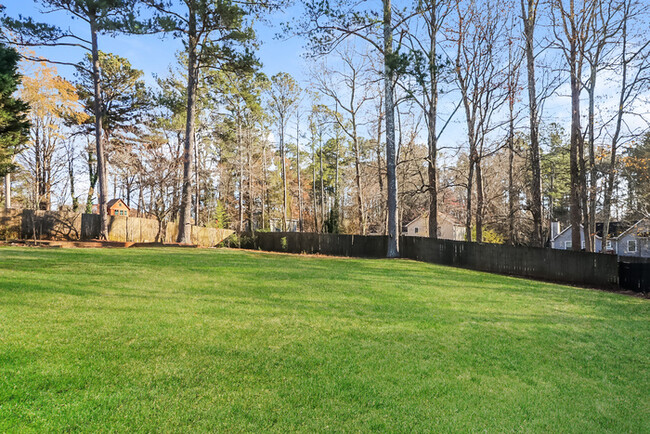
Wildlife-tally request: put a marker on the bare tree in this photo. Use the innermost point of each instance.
(284, 95)
(603, 28)
(347, 86)
(633, 68)
(215, 34)
(512, 83)
(327, 24)
(571, 27)
(481, 80)
(298, 171)
(529, 9)
(427, 68)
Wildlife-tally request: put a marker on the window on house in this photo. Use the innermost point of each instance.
(568, 245)
(583, 244)
(631, 246)
(609, 245)
(417, 230)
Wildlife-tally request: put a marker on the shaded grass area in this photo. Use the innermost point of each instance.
(178, 339)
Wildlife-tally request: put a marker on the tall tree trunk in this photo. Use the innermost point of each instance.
(479, 201)
(470, 119)
(592, 159)
(92, 180)
(391, 175)
(468, 204)
(322, 184)
(513, 81)
(313, 186)
(336, 169)
(47, 185)
(241, 177)
(249, 196)
(511, 184)
(37, 169)
(300, 228)
(432, 174)
(584, 195)
(129, 189)
(264, 187)
(357, 179)
(99, 142)
(611, 173)
(529, 17)
(8, 191)
(197, 185)
(576, 136)
(380, 179)
(184, 228)
(284, 176)
(176, 199)
(141, 197)
(75, 200)
(582, 173)
(432, 115)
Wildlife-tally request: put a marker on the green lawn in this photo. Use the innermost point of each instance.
(188, 339)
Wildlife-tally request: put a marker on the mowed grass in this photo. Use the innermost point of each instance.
(177, 340)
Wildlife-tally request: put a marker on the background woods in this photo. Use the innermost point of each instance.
(501, 118)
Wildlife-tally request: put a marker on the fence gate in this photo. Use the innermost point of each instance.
(634, 276)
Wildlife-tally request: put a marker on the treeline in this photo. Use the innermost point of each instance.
(503, 115)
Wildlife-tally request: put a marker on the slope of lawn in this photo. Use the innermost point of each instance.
(223, 340)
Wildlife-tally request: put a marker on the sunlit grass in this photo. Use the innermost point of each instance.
(188, 339)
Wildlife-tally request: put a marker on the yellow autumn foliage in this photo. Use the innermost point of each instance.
(51, 97)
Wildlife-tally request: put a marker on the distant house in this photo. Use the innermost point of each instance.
(636, 240)
(622, 240)
(448, 227)
(114, 207)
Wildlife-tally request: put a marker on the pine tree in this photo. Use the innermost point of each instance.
(102, 17)
(14, 127)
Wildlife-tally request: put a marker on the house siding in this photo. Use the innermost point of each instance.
(560, 240)
(642, 246)
(119, 207)
(619, 245)
(448, 230)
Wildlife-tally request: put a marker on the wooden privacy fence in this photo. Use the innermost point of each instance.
(55, 225)
(51, 225)
(328, 244)
(634, 274)
(578, 268)
(141, 230)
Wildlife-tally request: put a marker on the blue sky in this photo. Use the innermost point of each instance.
(153, 54)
